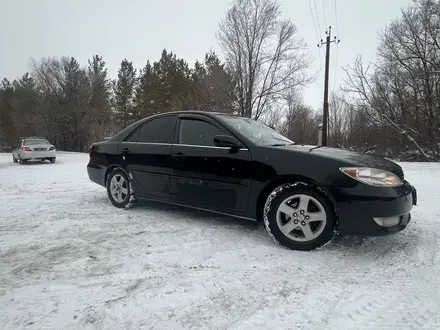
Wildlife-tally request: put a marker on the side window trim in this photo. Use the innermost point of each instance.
(132, 134)
(175, 140)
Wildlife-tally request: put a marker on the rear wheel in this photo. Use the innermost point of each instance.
(14, 160)
(299, 217)
(52, 160)
(22, 161)
(119, 189)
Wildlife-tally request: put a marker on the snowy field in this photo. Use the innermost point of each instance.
(70, 260)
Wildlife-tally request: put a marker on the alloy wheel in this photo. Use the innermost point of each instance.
(301, 218)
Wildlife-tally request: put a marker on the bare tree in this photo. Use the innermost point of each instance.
(401, 90)
(301, 122)
(263, 53)
(373, 96)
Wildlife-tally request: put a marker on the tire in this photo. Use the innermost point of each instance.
(289, 226)
(21, 161)
(52, 160)
(14, 160)
(119, 178)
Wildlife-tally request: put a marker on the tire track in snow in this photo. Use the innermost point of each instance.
(383, 309)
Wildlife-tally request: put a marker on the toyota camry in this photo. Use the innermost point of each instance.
(240, 167)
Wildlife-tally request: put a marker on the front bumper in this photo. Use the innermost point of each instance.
(375, 211)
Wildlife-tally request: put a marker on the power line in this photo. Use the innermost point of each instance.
(319, 26)
(337, 49)
(313, 19)
(317, 38)
(336, 17)
(325, 15)
(317, 16)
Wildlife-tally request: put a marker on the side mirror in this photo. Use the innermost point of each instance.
(226, 141)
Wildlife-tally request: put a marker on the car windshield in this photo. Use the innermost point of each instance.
(34, 142)
(255, 131)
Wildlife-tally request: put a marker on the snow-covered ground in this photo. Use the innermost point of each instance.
(69, 259)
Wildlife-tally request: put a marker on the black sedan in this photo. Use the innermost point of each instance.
(237, 166)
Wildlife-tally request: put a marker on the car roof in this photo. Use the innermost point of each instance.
(194, 112)
(126, 131)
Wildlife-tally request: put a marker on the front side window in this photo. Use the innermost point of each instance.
(158, 130)
(197, 132)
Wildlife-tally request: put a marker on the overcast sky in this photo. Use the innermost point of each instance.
(139, 29)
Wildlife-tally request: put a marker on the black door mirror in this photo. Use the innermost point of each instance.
(226, 141)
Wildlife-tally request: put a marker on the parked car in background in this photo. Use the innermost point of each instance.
(240, 167)
(34, 148)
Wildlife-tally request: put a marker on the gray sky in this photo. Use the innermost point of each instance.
(139, 29)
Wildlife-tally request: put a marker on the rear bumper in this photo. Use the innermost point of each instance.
(96, 174)
(363, 213)
(29, 155)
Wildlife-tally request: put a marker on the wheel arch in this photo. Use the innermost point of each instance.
(285, 179)
(110, 169)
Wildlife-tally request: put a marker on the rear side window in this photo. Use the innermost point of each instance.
(159, 130)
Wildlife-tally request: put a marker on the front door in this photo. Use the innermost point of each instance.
(146, 155)
(16, 151)
(204, 175)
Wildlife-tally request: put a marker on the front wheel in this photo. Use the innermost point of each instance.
(299, 217)
(119, 189)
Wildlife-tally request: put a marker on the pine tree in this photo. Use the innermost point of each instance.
(100, 97)
(124, 94)
(145, 92)
(212, 87)
(6, 113)
(26, 106)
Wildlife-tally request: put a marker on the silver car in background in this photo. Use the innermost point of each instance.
(34, 148)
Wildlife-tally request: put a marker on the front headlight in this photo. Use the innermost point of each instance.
(373, 176)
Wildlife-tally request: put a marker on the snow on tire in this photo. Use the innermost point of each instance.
(299, 217)
(119, 189)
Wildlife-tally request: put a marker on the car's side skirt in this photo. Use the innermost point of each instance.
(197, 208)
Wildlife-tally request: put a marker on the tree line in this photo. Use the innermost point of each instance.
(389, 107)
(74, 106)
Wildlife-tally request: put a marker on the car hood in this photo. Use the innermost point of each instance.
(350, 158)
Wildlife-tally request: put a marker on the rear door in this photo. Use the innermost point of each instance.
(204, 175)
(146, 154)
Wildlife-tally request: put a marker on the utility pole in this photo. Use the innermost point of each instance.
(325, 116)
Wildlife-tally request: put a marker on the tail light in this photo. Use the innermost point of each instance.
(26, 149)
(52, 148)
